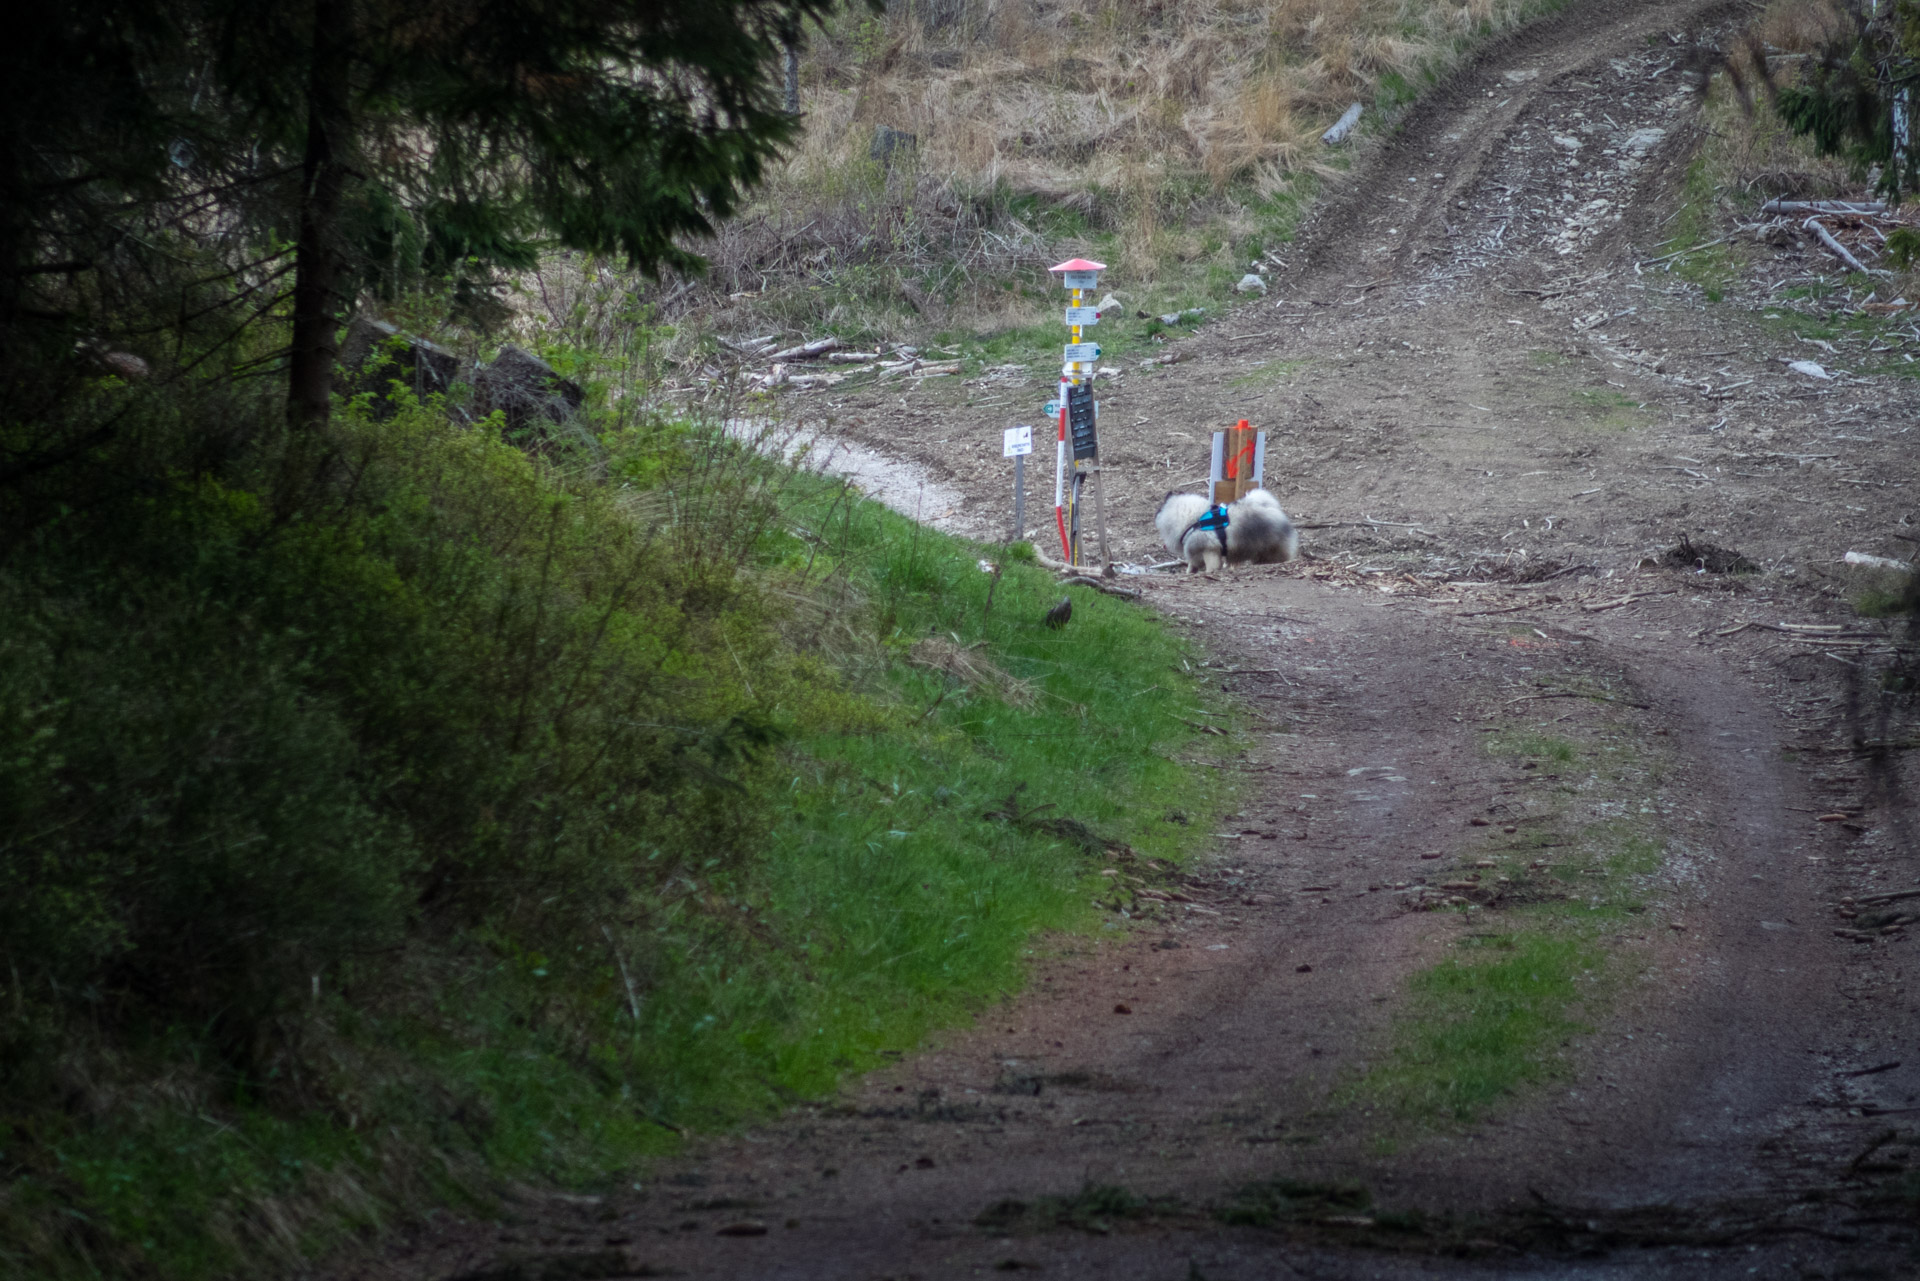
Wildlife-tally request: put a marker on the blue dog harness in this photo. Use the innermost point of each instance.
(1213, 521)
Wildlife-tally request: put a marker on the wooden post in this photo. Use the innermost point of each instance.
(1100, 515)
(1236, 473)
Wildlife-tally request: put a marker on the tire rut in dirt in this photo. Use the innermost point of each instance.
(1474, 133)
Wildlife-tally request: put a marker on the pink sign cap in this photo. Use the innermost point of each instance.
(1079, 264)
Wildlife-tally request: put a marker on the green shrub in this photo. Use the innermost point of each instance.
(417, 804)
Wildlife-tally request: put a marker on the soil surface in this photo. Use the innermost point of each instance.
(1492, 416)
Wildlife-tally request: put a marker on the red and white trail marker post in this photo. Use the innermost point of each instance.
(1077, 446)
(1017, 443)
(1239, 462)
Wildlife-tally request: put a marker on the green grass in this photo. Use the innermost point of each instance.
(1882, 593)
(1525, 976)
(819, 903)
(1484, 1023)
(1531, 743)
(1269, 373)
(1713, 267)
(1608, 407)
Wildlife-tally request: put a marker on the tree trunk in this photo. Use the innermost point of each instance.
(793, 80)
(318, 253)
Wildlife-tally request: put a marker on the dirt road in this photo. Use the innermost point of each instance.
(1487, 410)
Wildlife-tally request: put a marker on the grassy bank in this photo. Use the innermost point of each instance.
(397, 815)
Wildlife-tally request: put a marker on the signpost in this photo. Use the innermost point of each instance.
(1076, 442)
(1017, 443)
(1239, 462)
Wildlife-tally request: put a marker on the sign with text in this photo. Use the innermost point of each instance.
(1016, 441)
(1082, 316)
(1080, 422)
(1082, 351)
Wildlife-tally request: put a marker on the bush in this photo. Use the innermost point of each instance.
(416, 804)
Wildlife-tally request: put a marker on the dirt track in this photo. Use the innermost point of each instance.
(1463, 346)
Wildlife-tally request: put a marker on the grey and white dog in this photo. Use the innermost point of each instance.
(1257, 531)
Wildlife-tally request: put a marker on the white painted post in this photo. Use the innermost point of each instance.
(1079, 276)
(1017, 443)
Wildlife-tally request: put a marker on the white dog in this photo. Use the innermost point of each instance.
(1252, 531)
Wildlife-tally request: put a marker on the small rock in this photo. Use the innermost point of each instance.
(1123, 1008)
(1432, 854)
(1303, 969)
(527, 390)
(1480, 822)
(1251, 284)
(924, 1162)
(1809, 369)
(123, 364)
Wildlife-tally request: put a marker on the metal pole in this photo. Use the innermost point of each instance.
(1019, 497)
(1100, 515)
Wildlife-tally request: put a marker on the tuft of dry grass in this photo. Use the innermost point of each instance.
(1752, 151)
(966, 665)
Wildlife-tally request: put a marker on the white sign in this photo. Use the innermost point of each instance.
(1081, 279)
(1017, 441)
(1083, 351)
(1083, 316)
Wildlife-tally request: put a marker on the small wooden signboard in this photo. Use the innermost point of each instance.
(1239, 458)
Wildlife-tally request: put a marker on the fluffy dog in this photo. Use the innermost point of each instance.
(1257, 531)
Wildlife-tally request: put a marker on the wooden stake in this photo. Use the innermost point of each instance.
(1100, 514)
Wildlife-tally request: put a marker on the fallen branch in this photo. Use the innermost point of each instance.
(1624, 600)
(1705, 244)
(1605, 698)
(1081, 580)
(1863, 207)
(1839, 250)
(1336, 135)
(1891, 896)
(808, 350)
(1878, 562)
(1807, 631)
(1482, 613)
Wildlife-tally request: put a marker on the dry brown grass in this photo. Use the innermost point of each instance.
(1149, 130)
(1751, 152)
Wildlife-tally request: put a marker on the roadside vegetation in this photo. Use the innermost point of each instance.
(459, 814)
(954, 149)
(401, 796)
(1804, 108)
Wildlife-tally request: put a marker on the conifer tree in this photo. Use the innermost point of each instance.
(614, 126)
